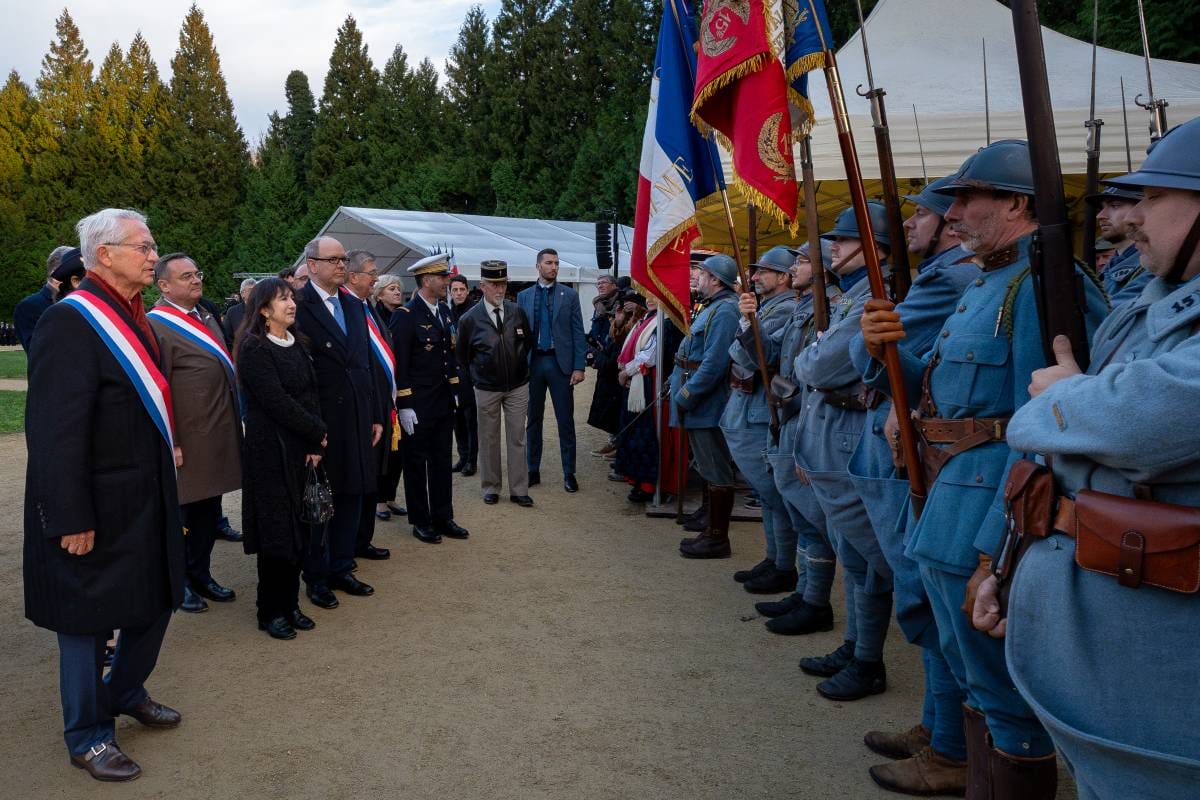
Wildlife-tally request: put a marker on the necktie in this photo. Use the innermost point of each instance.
(544, 340)
(194, 314)
(338, 316)
(499, 323)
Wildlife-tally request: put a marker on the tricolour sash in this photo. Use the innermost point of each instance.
(195, 332)
(131, 354)
(387, 359)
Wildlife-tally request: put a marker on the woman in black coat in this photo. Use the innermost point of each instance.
(284, 433)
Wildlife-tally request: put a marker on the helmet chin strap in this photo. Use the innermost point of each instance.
(833, 267)
(935, 240)
(1184, 256)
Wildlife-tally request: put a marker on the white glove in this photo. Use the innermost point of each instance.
(408, 419)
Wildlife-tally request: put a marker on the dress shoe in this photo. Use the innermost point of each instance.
(491, 498)
(399, 511)
(192, 602)
(322, 598)
(523, 500)
(898, 745)
(215, 591)
(856, 680)
(351, 585)
(824, 666)
(383, 515)
(923, 773)
(453, 530)
(743, 575)
(427, 535)
(278, 628)
(607, 449)
(229, 533)
(300, 621)
(154, 715)
(354, 565)
(776, 581)
(777, 608)
(638, 495)
(373, 553)
(106, 762)
(535, 477)
(804, 618)
(570, 484)
(468, 469)
(458, 465)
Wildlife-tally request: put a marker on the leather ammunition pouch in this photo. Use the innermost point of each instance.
(856, 397)
(742, 379)
(788, 396)
(688, 365)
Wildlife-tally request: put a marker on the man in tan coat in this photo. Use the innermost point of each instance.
(208, 428)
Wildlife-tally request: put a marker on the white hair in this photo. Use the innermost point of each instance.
(101, 228)
(248, 283)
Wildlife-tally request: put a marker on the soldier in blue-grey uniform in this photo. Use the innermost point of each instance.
(803, 611)
(1112, 670)
(933, 753)
(1124, 277)
(830, 426)
(969, 385)
(746, 420)
(699, 391)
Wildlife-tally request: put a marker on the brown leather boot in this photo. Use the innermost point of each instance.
(1017, 778)
(898, 745)
(926, 773)
(714, 542)
(979, 749)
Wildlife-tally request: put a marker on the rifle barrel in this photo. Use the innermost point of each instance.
(820, 298)
(1093, 126)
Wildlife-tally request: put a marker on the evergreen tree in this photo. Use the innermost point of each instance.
(468, 151)
(296, 129)
(410, 123)
(270, 229)
(200, 170)
(23, 271)
(66, 77)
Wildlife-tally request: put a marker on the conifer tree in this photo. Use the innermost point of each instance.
(295, 131)
(18, 259)
(468, 150)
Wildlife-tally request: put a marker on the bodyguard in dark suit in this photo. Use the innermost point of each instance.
(556, 363)
(31, 308)
(336, 326)
(103, 540)
(426, 388)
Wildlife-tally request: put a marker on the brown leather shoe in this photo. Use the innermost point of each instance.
(106, 762)
(154, 715)
(925, 774)
(898, 745)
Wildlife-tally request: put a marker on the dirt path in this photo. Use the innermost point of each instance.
(564, 651)
(13, 385)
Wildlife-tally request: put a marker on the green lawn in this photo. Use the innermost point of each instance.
(12, 364)
(12, 411)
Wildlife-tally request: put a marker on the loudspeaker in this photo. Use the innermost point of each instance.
(604, 247)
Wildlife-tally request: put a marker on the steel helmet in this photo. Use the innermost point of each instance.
(778, 259)
(1002, 166)
(1130, 194)
(826, 252)
(721, 267)
(846, 224)
(1171, 163)
(932, 198)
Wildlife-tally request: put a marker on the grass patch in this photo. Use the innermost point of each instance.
(12, 364)
(12, 411)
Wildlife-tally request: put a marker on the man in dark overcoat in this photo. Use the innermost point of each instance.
(336, 326)
(103, 543)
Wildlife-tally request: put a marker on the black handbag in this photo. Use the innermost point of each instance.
(316, 504)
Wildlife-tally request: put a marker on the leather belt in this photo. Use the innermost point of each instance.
(744, 385)
(951, 431)
(858, 398)
(683, 362)
(1064, 516)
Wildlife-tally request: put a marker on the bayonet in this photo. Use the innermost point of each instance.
(1155, 105)
(1093, 126)
(1125, 123)
(920, 146)
(987, 107)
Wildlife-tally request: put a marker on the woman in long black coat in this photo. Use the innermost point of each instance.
(284, 433)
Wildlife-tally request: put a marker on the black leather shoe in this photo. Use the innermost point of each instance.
(215, 592)
(637, 495)
(777, 608)
(856, 680)
(106, 762)
(535, 477)
(278, 628)
(491, 498)
(351, 585)
(458, 465)
(373, 553)
(300, 621)
(826, 666)
(322, 598)
(523, 500)
(743, 575)
(229, 533)
(802, 619)
(427, 535)
(776, 581)
(468, 469)
(570, 484)
(399, 511)
(453, 530)
(154, 715)
(383, 515)
(192, 602)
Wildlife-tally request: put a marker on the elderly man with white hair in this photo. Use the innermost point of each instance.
(235, 314)
(103, 540)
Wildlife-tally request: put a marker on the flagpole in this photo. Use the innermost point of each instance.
(743, 275)
(858, 194)
(658, 411)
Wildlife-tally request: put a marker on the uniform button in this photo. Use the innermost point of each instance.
(979, 281)
(962, 308)
(979, 479)
(970, 356)
(945, 333)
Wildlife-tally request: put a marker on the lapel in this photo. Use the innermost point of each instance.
(320, 312)
(151, 346)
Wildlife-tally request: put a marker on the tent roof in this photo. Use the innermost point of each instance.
(943, 78)
(400, 238)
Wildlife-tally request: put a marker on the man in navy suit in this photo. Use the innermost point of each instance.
(556, 363)
(29, 310)
(336, 326)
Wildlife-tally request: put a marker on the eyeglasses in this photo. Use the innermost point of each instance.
(188, 277)
(144, 248)
(333, 260)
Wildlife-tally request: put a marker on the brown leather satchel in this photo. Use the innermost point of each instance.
(788, 395)
(1029, 508)
(1137, 541)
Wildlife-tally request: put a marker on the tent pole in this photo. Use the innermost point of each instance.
(658, 406)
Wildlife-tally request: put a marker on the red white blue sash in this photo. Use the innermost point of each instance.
(194, 331)
(123, 343)
(387, 359)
